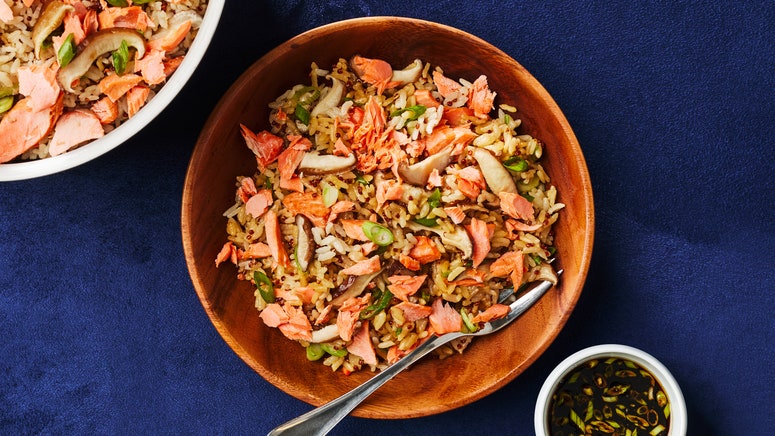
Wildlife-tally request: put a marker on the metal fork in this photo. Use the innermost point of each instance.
(321, 420)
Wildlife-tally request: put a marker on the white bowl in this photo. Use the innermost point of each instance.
(94, 149)
(678, 416)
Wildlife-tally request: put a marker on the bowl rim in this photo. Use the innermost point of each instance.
(367, 410)
(678, 414)
(54, 164)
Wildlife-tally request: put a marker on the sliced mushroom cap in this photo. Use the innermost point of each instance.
(417, 173)
(52, 16)
(495, 174)
(331, 100)
(304, 242)
(327, 333)
(318, 164)
(352, 288)
(94, 46)
(459, 238)
(409, 74)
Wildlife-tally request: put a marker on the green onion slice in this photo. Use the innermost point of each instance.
(516, 164)
(434, 200)
(121, 58)
(66, 52)
(119, 3)
(302, 114)
(379, 305)
(359, 178)
(264, 285)
(330, 349)
(427, 222)
(377, 233)
(330, 194)
(315, 352)
(415, 112)
(6, 103)
(468, 321)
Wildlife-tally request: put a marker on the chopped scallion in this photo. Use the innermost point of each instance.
(264, 285)
(330, 194)
(516, 164)
(330, 349)
(379, 305)
(302, 114)
(428, 222)
(315, 352)
(66, 52)
(121, 58)
(6, 103)
(377, 233)
(415, 112)
(468, 321)
(434, 200)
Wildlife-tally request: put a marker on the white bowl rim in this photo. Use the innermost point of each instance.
(50, 165)
(678, 414)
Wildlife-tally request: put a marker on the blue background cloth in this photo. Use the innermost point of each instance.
(101, 331)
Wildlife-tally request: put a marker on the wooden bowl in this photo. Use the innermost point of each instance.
(430, 386)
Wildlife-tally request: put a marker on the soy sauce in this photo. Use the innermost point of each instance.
(609, 396)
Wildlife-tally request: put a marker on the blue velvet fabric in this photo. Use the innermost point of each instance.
(101, 331)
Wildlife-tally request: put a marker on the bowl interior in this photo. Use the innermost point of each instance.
(220, 155)
(94, 149)
(678, 416)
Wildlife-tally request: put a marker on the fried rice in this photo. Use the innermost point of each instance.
(34, 34)
(388, 207)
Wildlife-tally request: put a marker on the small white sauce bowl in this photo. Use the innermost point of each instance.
(678, 415)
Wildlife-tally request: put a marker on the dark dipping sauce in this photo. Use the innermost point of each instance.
(609, 396)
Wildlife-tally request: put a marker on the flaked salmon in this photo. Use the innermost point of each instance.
(136, 98)
(354, 229)
(403, 286)
(257, 250)
(511, 264)
(413, 311)
(74, 128)
(132, 17)
(298, 326)
(362, 346)
(227, 252)
(106, 110)
(22, 127)
(409, 262)
(171, 38)
(151, 67)
(247, 189)
(368, 266)
(493, 312)
(444, 319)
(446, 86)
(424, 250)
(259, 203)
(265, 145)
(309, 204)
(480, 235)
(455, 213)
(516, 206)
(39, 83)
(115, 86)
(349, 314)
(480, 98)
(274, 239)
(374, 72)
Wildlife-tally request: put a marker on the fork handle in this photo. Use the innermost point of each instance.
(321, 420)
